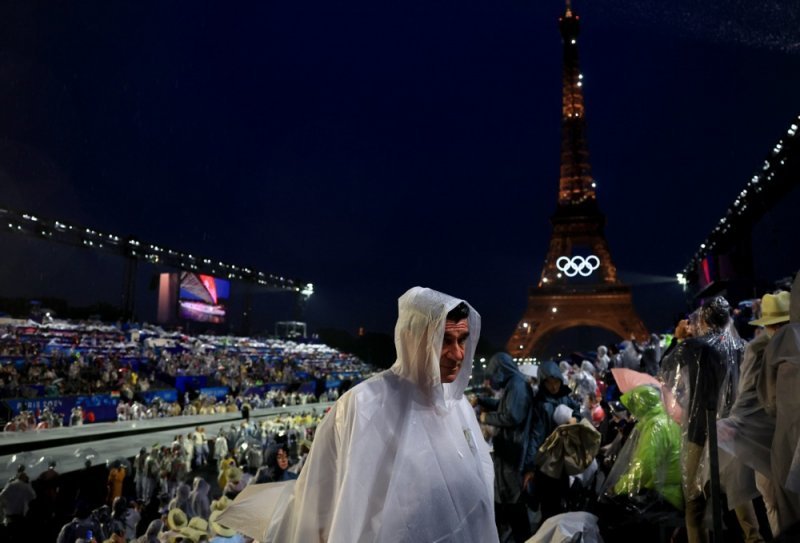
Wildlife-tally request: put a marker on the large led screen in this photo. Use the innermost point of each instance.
(201, 298)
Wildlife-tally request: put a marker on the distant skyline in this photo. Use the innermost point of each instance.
(368, 148)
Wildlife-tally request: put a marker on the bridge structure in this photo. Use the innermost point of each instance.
(135, 251)
(723, 262)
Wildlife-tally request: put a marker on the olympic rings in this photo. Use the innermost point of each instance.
(577, 265)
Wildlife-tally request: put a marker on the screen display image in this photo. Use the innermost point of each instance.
(201, 298)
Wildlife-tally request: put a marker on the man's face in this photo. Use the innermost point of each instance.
(455, 338)
(553, 385)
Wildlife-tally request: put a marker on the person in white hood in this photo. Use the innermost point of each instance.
(400, 456)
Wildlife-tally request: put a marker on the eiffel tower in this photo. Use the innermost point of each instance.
(578, 285)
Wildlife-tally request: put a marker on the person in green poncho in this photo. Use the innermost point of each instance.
(654, 454)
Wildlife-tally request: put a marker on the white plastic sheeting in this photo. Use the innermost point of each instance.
(568, 528)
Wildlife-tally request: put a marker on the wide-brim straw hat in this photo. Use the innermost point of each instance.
(176, 519)
(219, 529)
(774, 309)
(196, 529)
(191, 533)
(199, 523)
(220, 504)
(234, 475)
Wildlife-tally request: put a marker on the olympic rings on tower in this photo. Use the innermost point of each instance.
(577, 265)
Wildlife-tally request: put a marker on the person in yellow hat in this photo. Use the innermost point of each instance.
(746, 433)
(781, 383)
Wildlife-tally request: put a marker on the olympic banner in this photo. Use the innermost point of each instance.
(219, 393)
(168, 395)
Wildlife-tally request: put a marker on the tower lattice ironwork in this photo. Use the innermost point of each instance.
(578, 284)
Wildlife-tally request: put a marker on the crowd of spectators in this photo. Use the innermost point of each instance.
(621, 434)
(621, 441)
(59, 358)
(162, 490)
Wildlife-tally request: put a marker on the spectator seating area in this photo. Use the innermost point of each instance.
(62, 372)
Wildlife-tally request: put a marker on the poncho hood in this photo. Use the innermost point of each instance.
(200, 486)
(154, 528)
(547, 370)
(501, 368)
(183, 492)
(643, 401)
(418, 338)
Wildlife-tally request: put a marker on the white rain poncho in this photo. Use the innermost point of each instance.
(567, 528)
(602, 361)
(629, 357)
(585, 383)
(399, 457)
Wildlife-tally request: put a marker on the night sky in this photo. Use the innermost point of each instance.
(371, 146)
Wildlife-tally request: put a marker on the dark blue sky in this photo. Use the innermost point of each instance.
(368, 147)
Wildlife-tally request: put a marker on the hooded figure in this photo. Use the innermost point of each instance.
(585, 383)
(151, 535)
(544, 406)
(181, 500)
(650, 459)
(603, 360)
(511, 415)
(139, 474)
(552, 393)
(629, 357)
(566, 371)
(198, 498)
(400, 456)
(702, 373)
(651, 355)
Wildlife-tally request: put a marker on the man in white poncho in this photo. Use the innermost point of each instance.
(400, 457)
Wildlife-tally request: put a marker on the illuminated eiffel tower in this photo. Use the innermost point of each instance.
(578, 285)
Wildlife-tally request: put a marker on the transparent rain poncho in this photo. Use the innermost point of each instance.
(703, 372)
(585, 382)
(745, 435)
(650, 458)
(400, 456)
